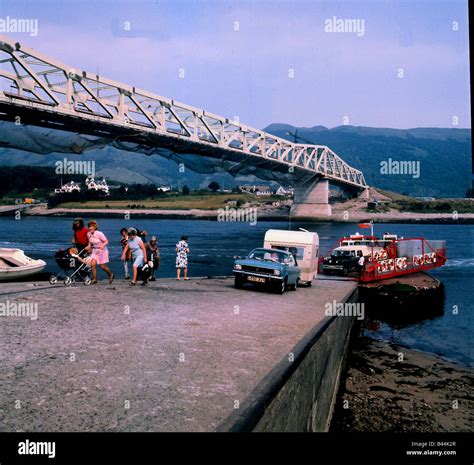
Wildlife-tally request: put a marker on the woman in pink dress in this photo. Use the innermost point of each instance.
(100, 255)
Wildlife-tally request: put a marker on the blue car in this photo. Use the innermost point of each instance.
(273, 268)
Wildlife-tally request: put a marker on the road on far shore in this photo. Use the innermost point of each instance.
(339, 214)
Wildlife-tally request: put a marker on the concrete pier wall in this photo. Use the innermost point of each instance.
(299, 396)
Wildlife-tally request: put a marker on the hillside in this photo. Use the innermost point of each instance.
(123, 167)
(444, 155)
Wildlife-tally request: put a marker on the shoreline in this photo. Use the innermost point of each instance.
(265, 215)
(382, 393)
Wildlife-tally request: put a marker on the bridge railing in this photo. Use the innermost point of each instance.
(29, 78)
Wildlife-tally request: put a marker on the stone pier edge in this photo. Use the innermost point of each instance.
(258, 402)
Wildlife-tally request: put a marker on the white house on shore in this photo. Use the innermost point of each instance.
(91, 184)
(257, 190)
(68, 188)
(98, 186)
(285, 191)
(263, 193)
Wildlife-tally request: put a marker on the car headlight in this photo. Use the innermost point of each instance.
(277, 272)
(237, 267)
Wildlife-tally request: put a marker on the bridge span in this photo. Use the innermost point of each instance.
(42, 92)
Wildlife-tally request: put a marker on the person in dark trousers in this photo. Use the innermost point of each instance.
(80, 238)
(153, 255)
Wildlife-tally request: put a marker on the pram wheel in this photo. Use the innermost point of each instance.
(53, 279)
(67, 281)
(87, 280)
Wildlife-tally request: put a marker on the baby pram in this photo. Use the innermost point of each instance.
(72, 269)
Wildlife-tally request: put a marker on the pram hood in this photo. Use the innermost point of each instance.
(66, 261)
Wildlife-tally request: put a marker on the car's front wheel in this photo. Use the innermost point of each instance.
(238, 283)
(281, 286)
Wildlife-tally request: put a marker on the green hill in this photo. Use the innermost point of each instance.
(444, 155)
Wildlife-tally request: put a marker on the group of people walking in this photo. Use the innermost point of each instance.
(135, 251)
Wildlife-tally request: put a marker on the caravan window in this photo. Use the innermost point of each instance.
(297, 252)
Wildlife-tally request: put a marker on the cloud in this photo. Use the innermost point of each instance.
(246, 71)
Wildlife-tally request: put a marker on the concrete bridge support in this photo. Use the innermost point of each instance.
(311, 199)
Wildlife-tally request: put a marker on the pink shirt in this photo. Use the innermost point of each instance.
(97, 240)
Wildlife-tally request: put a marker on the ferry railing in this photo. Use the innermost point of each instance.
(390, 267)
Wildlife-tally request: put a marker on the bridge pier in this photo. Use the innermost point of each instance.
(311, 199)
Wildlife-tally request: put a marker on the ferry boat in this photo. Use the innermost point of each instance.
(372, 259)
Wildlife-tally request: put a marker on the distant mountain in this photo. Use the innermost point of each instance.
(444, 155)
(123, 167)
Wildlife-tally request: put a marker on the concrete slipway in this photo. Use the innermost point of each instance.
(193, 355)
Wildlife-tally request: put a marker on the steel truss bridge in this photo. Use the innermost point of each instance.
(44, 92)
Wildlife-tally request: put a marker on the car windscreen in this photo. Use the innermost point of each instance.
(267, 255)
(343, 253)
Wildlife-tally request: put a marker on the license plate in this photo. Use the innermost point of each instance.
(255, 279)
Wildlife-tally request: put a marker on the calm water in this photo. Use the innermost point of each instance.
(214, 244)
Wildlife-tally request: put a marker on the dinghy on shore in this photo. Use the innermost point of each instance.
(15, 264)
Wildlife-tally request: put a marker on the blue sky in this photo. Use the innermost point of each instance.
(247, 72)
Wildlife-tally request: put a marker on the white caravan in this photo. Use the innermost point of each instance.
(304, 246)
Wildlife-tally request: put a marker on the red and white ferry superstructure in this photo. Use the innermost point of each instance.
(390, 256)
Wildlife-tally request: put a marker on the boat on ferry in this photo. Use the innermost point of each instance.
(15, 264)
(370, 258)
